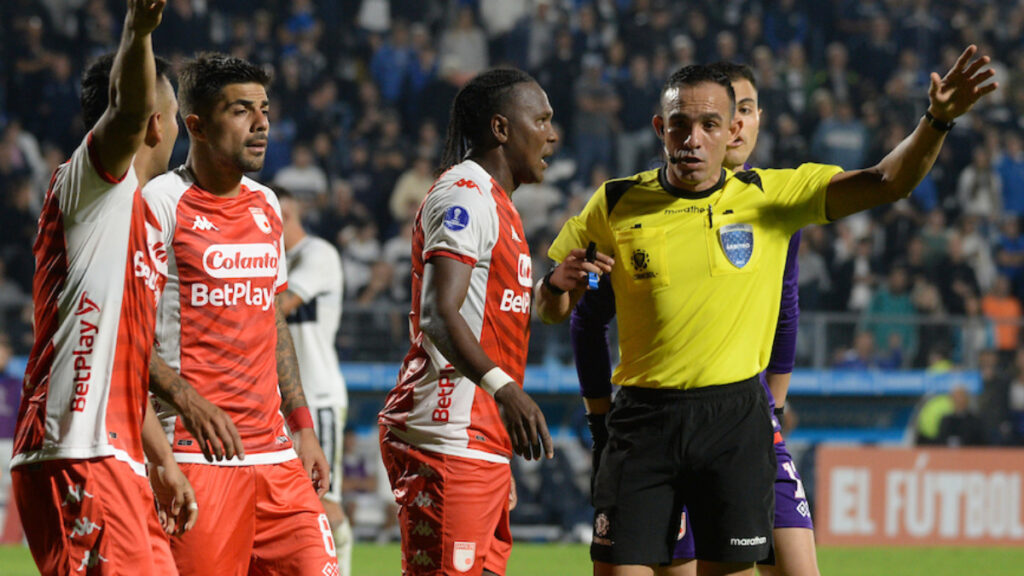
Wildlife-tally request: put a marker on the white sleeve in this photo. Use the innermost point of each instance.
(160, 195)
(317, 272)
(82, 182)
(460, 222)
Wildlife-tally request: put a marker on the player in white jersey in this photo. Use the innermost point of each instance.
(312, 307)
(220, 331)
(85, 426)
(444, 442)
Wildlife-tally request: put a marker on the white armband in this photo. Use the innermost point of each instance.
(494, 380)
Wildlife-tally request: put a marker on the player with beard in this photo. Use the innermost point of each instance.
(220, 331)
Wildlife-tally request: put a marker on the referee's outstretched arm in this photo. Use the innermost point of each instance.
(905, 166)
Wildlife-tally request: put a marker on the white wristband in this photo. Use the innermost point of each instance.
(494, 380)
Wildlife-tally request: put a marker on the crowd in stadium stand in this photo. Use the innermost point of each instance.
(360, 102)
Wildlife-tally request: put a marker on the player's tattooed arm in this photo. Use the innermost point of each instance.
(288, 302)
(212, 428)
(288, 379)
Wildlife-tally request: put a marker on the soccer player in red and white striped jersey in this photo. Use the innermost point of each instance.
(444, 442)
(220, 331)
(85, 427)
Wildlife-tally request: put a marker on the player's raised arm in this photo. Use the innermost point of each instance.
(904, 167)
(120, 131)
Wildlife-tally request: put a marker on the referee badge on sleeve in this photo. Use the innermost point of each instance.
(737, 242)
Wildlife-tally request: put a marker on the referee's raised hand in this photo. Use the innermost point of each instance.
(144, 15)
(524, 422)
(956, 92)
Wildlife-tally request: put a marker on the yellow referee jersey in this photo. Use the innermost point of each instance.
(697, 276)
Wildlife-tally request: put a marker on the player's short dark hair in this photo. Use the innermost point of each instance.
(695, 74)
(95, 97)
(202, 78)
(735, 71)
(282, 192)
(476, 103)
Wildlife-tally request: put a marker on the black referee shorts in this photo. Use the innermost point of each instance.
(709, 449)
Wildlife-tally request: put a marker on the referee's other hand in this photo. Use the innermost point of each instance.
(571, 273)
(524, 422)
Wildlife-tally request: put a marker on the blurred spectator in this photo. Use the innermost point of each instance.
(956, 279)
(397, 252)
(936, 335)
(993, 404)
(841, 139)
(185, 28)
(465, 44)
(890, 315)
(814, 281)
(360, 251)
(1009, 253)
(979, 189)
(1003, 308)
(344, 213)
(637, 139)
(411, 188)
(962, 426)
(555, 76)
(390, 63)
(860, 356)
(855, 279)
(597, 107)
(303, 177)
(931, 411)
(785, 23)
(837, 77)
(1010, 167)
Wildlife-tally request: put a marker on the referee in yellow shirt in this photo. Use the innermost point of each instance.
(699, 254)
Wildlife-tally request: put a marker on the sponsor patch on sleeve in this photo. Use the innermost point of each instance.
(456, 218)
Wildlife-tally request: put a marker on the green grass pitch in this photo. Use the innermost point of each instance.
(562, 560)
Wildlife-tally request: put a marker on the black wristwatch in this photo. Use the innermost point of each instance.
(547, 283)
(938, 124)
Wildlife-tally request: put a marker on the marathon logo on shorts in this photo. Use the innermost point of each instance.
(463, 556)
(737, 242)
(82, 365)
(445, 389)
(602, 530)
(754, 541)
(241, 260)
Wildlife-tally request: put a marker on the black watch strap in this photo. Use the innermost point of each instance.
(938, 124)
(547, 283)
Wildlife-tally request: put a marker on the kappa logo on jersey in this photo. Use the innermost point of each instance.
(420, 558)
(464, 555)
(241, 260)
(76, 494)
(262, 222)
(456, 218)
(83, 350)
(515, 236)
(737, 242)
(201, 223)
(83, 527)
(525, 270)
(92, 559)
(422, 528)
(330, 569)
(423, 500)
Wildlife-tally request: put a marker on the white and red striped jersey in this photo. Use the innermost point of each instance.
(216, 322)
(468, 217)
(99, 272)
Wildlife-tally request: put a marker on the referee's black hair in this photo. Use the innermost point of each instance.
(476, 103)
(203, 77)
(735, 71)
(95, 97)
(695, 74)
